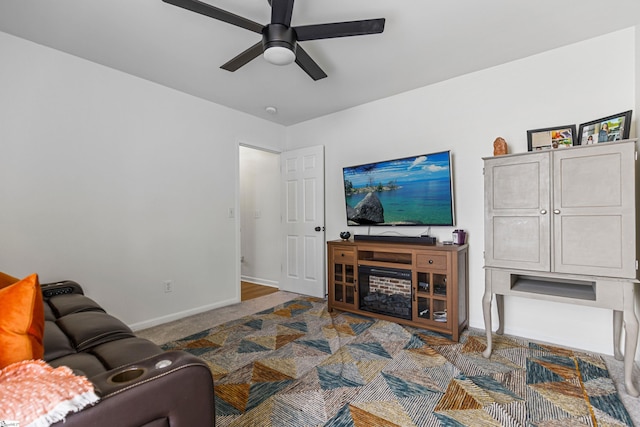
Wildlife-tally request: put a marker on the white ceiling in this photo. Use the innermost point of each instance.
(424, 42)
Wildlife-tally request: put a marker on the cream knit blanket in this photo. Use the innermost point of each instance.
(34, 394)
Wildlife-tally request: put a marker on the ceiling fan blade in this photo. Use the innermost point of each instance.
(281, 11)
(309, 65)
(215, 13)
(248, 55)
(339, 29)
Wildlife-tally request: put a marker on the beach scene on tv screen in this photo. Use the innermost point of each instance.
(409, 191)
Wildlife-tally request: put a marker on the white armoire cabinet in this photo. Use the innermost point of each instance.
(560, 225)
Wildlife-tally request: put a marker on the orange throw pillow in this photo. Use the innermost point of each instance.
(6, 280)
(21, 321)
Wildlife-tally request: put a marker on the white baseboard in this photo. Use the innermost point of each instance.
(180, 314)
(259, 281)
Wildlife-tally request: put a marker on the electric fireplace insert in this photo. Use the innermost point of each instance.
(385, 291)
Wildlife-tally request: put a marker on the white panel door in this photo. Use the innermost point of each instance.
(303, 221)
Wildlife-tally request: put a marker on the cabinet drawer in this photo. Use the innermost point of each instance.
(344, 255)
(432, 261)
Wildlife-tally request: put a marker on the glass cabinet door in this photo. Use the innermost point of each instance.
(424, 283)
(349, 274)
(350, 297)
(430, 297)
(344, 280)
(440, 284)
(338, 293)
(424, 308)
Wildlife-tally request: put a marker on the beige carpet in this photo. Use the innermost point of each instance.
(190, 325)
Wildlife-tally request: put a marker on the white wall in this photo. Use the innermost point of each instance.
(260, 216)
(465, 114)
(119, 184)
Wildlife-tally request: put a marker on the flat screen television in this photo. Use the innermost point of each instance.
(412, 191)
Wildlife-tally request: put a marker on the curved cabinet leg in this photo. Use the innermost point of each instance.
(631, 338)
(617, 334)
(486, 311)
(500, 305)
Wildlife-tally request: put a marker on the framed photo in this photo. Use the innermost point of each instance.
(551, 138)
(606, 129)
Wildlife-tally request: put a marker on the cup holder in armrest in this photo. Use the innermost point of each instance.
(126, 375)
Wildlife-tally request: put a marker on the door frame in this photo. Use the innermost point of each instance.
(237, 213)
(237, 216)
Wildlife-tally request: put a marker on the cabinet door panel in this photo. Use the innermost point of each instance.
(594, 210)
(517, 230)
(584, 239)
(512, 241)
(588, 180)
(516, 186)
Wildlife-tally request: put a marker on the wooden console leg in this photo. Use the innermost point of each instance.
(500, 305)
(617, 334)
(486, 311)
(631, 338)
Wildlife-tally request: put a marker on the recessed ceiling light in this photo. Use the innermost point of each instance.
(271, 110)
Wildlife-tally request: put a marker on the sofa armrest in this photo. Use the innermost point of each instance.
(173, 388)
(60, 288)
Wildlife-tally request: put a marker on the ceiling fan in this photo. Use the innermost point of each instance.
(279, 43)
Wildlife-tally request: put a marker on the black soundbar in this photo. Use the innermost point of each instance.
(418, 240)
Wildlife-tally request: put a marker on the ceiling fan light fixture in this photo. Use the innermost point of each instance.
(279, 44)
(279, 55)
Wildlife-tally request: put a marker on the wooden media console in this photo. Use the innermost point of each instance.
(425, 286)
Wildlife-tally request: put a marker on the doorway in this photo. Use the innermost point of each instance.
(280, 232)
(250, 290)
(259, 214)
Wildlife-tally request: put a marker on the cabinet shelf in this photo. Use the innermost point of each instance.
(555, 287)
(386, 264)
(385, 257)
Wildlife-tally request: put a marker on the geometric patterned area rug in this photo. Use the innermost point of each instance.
(298, 365)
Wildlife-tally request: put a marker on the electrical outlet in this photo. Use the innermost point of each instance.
(168, 286)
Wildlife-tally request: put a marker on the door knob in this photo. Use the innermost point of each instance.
(543, 211)
(556, 211)
(319, 228)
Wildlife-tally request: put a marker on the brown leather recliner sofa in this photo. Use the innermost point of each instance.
(138, 383)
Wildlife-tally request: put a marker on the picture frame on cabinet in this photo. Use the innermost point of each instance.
(551, 138)
(606, 129)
